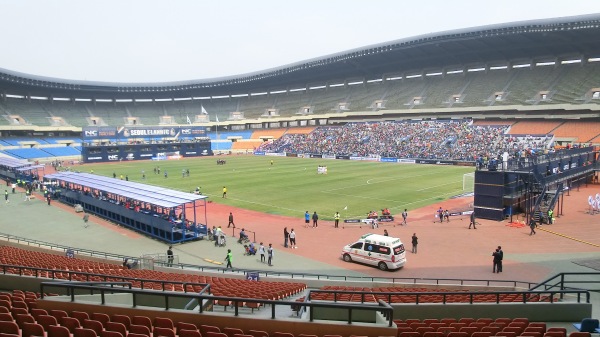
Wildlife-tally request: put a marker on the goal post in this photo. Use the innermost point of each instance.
(469, 182)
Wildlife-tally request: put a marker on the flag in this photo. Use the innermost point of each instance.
(346, 208)
(217, 118)
(188, 120)
(202, 110)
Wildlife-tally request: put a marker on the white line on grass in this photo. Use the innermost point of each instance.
(369, 182)
(261, 204)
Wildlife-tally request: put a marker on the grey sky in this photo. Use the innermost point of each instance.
(157, 41)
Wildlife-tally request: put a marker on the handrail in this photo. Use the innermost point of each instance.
(71, 273)
(206, 288)
(52, 246)
(526, 296)
(552, 203)
(108, 287)
(562, 281)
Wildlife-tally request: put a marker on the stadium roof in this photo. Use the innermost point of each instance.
(154, 195)
(13, 163)
(533, 41)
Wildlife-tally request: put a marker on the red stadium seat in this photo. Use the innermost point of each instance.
(163, 332)
(32, 329)
(107, 333)
(188, 333)
(140, 329)
(117, 327)
(58, 331)
(10, 327)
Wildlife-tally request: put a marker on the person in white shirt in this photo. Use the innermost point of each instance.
(261, 250)
(270, 253)
(293, 239)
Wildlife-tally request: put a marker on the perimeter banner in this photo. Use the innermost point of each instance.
(126, 132)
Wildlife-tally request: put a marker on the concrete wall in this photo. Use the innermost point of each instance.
(545, 312)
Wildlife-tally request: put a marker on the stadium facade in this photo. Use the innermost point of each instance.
(539, 68)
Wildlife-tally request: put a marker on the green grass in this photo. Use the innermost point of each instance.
(292, 186)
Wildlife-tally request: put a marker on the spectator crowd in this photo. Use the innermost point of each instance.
(444, 140)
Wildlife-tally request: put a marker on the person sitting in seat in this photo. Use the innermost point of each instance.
(251, 249)
(385, 213)
(243, 236)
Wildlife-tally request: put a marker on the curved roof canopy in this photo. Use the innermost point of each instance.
(535, 40)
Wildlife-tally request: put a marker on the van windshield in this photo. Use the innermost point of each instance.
(398, 250)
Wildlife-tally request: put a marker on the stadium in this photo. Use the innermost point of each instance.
(505, 114)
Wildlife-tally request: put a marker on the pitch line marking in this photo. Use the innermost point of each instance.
(570, 237)
(368, 182)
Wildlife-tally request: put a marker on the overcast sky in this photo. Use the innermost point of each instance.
(158, 41)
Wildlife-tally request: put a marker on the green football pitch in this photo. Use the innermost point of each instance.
(291, 186)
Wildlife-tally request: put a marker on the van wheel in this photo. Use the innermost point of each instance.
(347, 258)
(383, 266)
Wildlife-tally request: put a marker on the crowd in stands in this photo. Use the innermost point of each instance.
(446, 140)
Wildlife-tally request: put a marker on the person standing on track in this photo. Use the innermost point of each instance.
(293, 239)
(532, 226)
(404, 217)
(472, 221)
(496, 261)
(415, 243)
(315, 219)
(336, 218)
(306, 219)
(230, 220)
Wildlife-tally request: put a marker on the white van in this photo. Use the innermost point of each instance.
(382, 251)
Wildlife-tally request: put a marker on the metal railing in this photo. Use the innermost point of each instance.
(104, 288)
(446, 296)
(564, 281)
(53, 246)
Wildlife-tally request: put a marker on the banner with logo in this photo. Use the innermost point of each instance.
(126, 132)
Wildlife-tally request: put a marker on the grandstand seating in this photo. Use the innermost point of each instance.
(583, 132)
(567, 84)
(73, 323)
(222, 145)
(300, 130)
(541, 127)
(219, 286)
(28, 153)
(274, 133)
(62, 151)
(481, 86)
(244, 134)
(246, 145)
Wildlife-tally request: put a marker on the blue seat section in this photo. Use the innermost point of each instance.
(3, 143)
(60, 140)
(17, 141)
(222, 145)
(245, 134)
(28, 153)
(62, 151)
